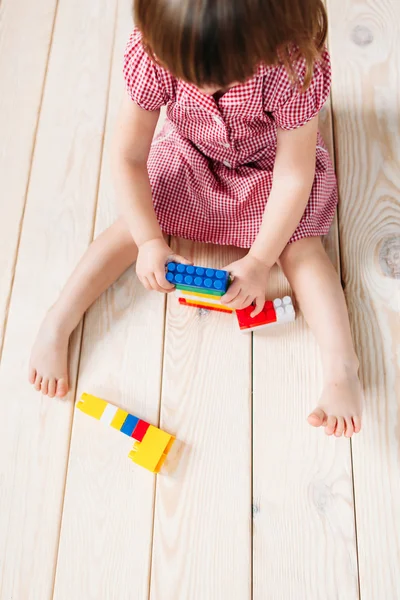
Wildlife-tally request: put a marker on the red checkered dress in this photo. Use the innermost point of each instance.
(211, 166)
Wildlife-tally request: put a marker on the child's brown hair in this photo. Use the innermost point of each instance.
(219, 42)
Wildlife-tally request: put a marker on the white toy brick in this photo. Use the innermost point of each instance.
(108, 414)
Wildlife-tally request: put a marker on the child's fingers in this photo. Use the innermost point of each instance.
(144, 281)
(239, 302)
(260, 301)
(162, 282)
(154, 285)
(179, 259)
(232, 293)
(247, 302)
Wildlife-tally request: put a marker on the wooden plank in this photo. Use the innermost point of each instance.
(25, 36)
(304, 530)
(202, 532)
(366, 84)
(35, 431)
(109, 502)
(304, 534)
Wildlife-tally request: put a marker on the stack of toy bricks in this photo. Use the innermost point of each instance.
(273, 313)
(151, 444)
(198, 286)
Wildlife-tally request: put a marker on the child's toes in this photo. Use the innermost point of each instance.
(32, 375)
(357, 424)
(62, 388)
(52, 388)
(330, 425)
(339, 427)
(45, 386)
(349, 427)
(317, 418)
(38, 382)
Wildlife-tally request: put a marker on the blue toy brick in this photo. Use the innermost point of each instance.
(198, 277)
(129, 425)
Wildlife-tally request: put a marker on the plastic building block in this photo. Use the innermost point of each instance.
(119, 419)
(109, 413)
(153, 450)
(140, 430)
(278, 311)
(199, 295)
(202, 301)
(266, 316)
(93, 406)
(129, 425)
(284, 310)
(196, 290)
(200, 278)
(206, 306)
(152, 444)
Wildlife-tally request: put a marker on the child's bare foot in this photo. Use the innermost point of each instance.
(48, 369)
(340, 406)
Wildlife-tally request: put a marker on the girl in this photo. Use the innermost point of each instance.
(239, 162)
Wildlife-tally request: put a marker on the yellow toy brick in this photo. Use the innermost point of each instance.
(119, 419)
(197, 294)
(152, 451)
(92, 406)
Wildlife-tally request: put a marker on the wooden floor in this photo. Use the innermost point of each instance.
(259, 505)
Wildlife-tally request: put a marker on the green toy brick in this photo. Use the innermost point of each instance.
(199, 290)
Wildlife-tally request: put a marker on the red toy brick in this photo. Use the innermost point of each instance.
(140, 430)
(266, 316)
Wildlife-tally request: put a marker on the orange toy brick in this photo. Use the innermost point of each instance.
(205, 305)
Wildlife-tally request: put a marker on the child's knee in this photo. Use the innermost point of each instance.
(302, 250)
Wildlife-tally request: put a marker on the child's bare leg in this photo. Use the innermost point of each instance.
(105, 260)
(319, 293)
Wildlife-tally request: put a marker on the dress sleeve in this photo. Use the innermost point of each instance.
(294, 107)
(142, 80)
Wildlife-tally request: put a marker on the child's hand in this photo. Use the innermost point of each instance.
(150, 265)
(249, 284)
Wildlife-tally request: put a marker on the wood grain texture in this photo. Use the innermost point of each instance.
(304, 529)
(35, 431)
(202, 523)
(366, 81)
(109, 503)
(25, 36)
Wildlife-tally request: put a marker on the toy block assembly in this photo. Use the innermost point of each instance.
(276, 312)
(151, 445)
(200, 287)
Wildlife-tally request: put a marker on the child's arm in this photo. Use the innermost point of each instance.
(134, 134)
(293, 178)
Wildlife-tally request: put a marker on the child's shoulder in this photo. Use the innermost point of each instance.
(147, 82)
(135, 51)
(279, 84)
